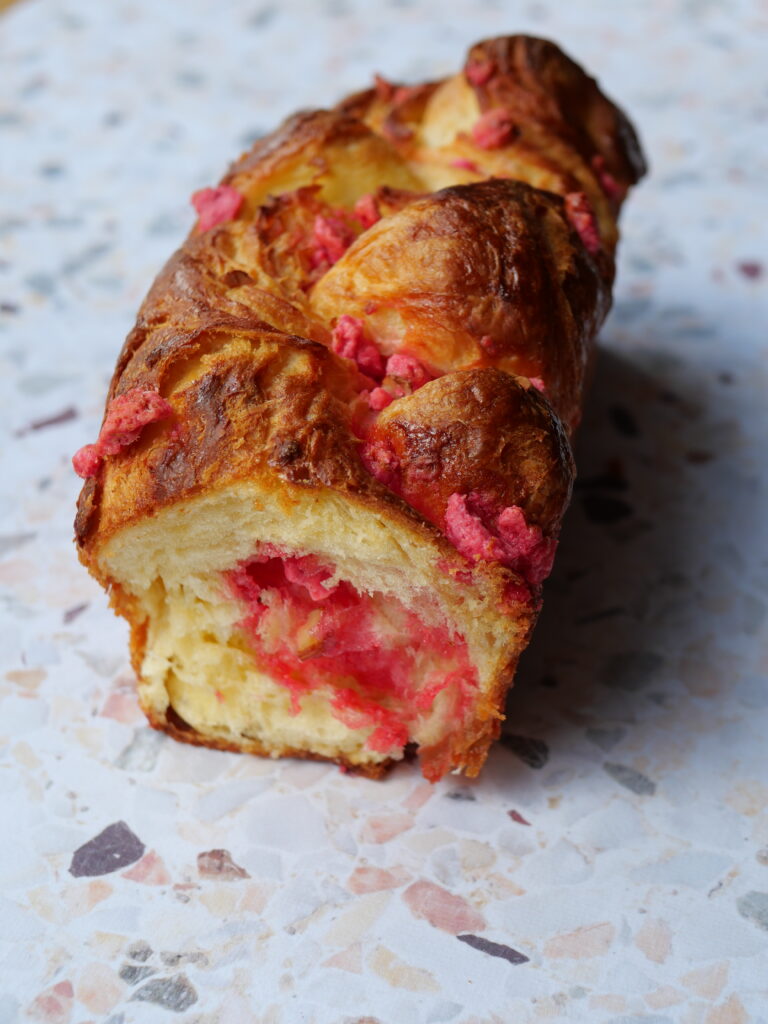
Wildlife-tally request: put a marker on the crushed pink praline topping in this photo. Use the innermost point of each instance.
(408, 369)
(525, 546)
(468, 534)
(382, 463)
(608, 183)
(379, 398)
(581, 217)
(509, 540)
(480, 72)
(538, 383)
(494, 129)
(463, 164)
(216, 205)
(86, 460)
(126, 417)
(367, 210)
(348, 340)
(332, 236)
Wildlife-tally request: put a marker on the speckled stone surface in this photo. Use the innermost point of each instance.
(611, 865)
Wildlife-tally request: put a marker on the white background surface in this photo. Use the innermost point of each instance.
(639, 889)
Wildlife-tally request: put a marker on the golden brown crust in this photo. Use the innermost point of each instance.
(486, 274)
(479, 431)
(489, 282)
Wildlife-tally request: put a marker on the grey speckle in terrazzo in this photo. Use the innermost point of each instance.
(175, 993)
(114, 848)
(754, 906)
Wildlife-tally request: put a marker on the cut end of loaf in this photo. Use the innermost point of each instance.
(253, 636)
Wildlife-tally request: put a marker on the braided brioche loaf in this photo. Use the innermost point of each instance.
(335, 457)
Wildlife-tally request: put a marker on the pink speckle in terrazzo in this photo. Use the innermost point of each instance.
(372, 879)
(382, 827)
(150, 870)
(54, 1005)
(654, 939)
(219, 864)
(583, 943)
(443, 909)
(349, 959)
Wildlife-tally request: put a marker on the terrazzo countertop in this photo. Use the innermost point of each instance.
(611, 864)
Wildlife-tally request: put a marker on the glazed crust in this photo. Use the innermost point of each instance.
(488, 282)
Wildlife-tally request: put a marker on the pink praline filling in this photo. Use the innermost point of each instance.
(311, 636)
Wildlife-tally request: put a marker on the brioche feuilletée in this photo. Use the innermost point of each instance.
(336, 451)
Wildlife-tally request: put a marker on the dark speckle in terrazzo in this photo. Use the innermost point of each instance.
(56, 420)
(14, 540)
(190, 79)
(263, 17)
(90, 255)
(533, 752)
(630, 778)
(140, 951)
(631, 670)
(601, 508)
(605, 737)
(174, 959)
(114, 848)
(600, 615)
(751, 269)
(460, 794)
(512, 956)
(71, 614)
(516, 816)
(623, 421)
(754, 906)
(171, 993)
(133, 974)
(10, 224)
(43, 284)
(51, 170)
